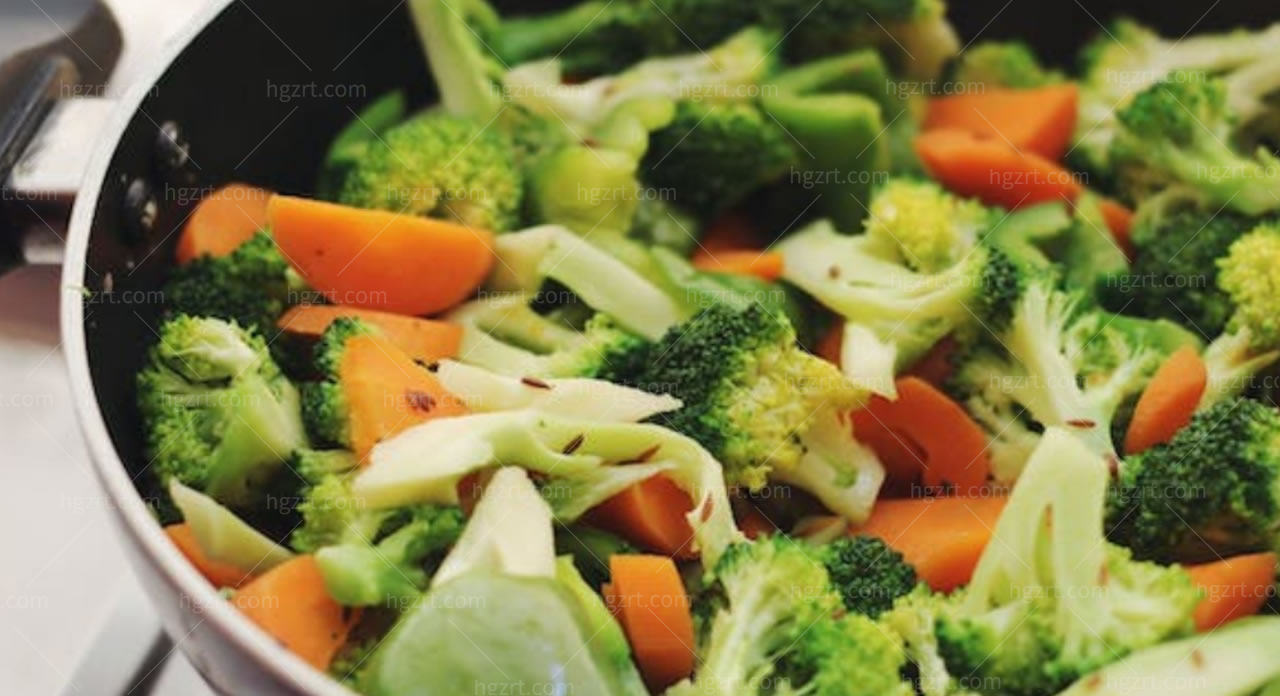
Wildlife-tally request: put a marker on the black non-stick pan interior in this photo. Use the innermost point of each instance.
(219, 94)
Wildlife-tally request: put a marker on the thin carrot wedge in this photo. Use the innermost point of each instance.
(425, 340)
(942, 537)
(730, 231)
(1233, 588)
(754, 524)
(387, 392)
(291, 604)
(947, 449)
(222, 221)
(649, 599)
(992, 171)
(650, 514)
(1120, 222)
(935, 366)
(1039, 120)
(762, 264)
(1169, 400)
(828, 347)
(218, 573)
(380, 260)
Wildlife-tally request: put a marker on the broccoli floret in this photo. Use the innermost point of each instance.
(441, 166)
(914, 619)
(749, 392)
(1174, 273)
(1250, 275)
(893, 315)
(867, 574)
(1050, 600)
(324, 407)
(713, 154)
(1128, 58)
(251, 286)
(1213, 489)
(1177, 132)
(598, 37)
(218, 414)
(659, 222)
(932, 229)
(1063, 366)
(774, 626)
(371, 557)
(1002, 64)
(353, 142)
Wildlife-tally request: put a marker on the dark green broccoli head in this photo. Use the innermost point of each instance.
(251, 286)
(1182, 109)
(712, 155)
(1175, 273)
(324, 407)
(1213, 489)
(867, 574)
(748, 390)
(218, 414)
(440, 166)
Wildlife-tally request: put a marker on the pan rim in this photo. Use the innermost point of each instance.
(107, 464)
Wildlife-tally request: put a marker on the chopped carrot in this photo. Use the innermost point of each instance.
(828, 347)
(222, 221)
(649, 599)
(730, 231)
(1120, 222)
(754, 524)
(381, 260)
(942, 537)
(425, 340)
(1233, 588)
(762, 264)
(651, 514)
(935, 366)
(992, 171)
(947, 449)
(1039, 120)
(291, 604)
(1168, 402)
(387, 392)
(219, 573)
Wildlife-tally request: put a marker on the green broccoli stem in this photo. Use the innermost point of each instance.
(839, 137)
(264, 431)
(461, 70)
(532, 36)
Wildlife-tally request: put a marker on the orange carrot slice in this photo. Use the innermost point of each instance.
(291, 604)
(650, 514)
(935, 366)
(223, 221)
(992, 171)
(378, 259)
(942, 537)
(1169, 400)
(946, 447)
(1233, 588)
(1120, 221)
(730, 231)
(422, 339)
(219, 573)
(650, 602)
(387, 392)
(754, 524)
(762, 264)
(1039, 120)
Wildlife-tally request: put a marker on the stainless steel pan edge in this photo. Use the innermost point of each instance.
(186, 601)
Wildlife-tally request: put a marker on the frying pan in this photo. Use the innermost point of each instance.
(253, 90)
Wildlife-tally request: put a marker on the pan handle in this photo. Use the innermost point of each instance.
(54, 100)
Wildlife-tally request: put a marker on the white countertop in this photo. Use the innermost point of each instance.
(63, 569)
